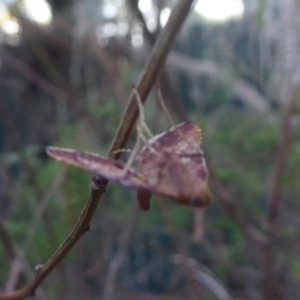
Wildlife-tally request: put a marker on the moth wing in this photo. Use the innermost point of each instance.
(183, 139)
(181, 178)
(108, 168)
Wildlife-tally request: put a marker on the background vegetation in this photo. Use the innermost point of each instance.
(65, 83)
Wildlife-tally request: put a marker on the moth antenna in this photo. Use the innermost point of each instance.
(163, 105)
(167, 113)
(142, 115)
(140, 136)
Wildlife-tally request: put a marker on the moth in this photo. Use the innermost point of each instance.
(171, 164)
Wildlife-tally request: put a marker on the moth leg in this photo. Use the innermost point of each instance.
(122, 151)
(140, 136)
(143, 197)
(142, 124)
(198, 224)
(133, 154)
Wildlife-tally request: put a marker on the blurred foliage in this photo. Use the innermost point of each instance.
(241, 143)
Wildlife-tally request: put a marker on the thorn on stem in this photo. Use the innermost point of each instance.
(38, 268)
(98, 182)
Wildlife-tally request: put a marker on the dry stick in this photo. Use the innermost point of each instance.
(154, 65)
(144, 84)
(271, 284)
(80, 228)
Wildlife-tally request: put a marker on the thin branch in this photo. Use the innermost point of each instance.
(154, 65)
(165, 84)
(281, 160)
(271, 287)
(42, 271)
(143, 86)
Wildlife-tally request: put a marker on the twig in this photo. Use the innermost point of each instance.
(281, 160)
(143, 86)
(271, 287)
(165, 83)
(81, 227)
(154, 65)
